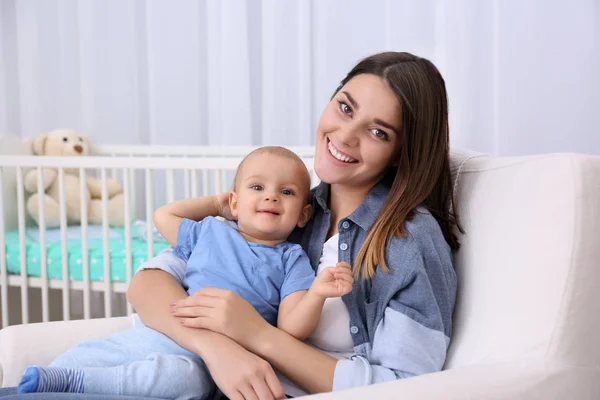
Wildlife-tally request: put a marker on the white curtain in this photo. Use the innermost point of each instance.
(522, 75)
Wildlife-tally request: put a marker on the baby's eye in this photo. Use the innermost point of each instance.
(256, 187)
(65, 139)
(287, 192)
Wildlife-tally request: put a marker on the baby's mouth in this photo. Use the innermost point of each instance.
(270, 212)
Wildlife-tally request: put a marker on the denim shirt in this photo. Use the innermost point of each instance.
(400, 320)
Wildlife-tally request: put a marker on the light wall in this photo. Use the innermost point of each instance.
(522, 75)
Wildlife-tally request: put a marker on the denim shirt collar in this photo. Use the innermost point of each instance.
(366, 213)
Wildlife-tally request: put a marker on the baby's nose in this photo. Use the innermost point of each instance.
(272, 197)
(78, 148)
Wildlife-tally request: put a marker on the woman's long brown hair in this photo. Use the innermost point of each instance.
(422, 176)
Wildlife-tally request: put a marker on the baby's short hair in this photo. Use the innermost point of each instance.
(278, 151)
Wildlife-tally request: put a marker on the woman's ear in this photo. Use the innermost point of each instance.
(38, 144)
(305, 216)
(233, 204)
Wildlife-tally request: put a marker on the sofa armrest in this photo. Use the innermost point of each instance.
(520, 380)
(40, 343)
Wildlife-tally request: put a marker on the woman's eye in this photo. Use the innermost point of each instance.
(65, 139)
(345, 108)
(379, 134)
(287, 192)
(256, 187)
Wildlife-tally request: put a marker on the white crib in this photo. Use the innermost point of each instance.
(150, 175)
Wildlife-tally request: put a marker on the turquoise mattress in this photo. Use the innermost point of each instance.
(74, 241)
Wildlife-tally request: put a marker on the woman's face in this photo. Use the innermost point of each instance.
(358, 133)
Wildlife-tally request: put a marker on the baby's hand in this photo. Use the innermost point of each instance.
(222, 204)
(333, 281)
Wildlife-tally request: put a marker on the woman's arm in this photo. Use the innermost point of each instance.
(151, 292)
(226, 312)
(308, 367)
(238, 373)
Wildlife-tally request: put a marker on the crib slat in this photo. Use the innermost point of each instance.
(132, 191)
(218, 183)
(83, 192)
(194, 183)
(43, 259)
(128, 256)
(113, 171)
(66, 298)
(223, 180)
(204, 182)
(149, 213)
(170, 186)
(186, 183)
(106, 246)
(22, 248)
(3, 271)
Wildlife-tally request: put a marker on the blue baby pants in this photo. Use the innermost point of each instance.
(139, 362)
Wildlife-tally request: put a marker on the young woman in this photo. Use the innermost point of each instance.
(384, 206)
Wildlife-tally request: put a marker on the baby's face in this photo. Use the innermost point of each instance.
(271, 194)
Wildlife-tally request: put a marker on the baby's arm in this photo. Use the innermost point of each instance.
(168, 217)
(299, 312)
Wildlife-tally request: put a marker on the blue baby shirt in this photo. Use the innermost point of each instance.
(218, 256)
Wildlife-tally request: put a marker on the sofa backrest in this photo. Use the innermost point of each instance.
(529, 266)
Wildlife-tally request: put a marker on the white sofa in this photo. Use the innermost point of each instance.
(527, 319)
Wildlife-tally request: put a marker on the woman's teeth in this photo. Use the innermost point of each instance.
(339, 155)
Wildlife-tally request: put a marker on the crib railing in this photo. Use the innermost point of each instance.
(190, 151)
(150, 177)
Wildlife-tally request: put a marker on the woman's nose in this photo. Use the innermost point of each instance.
(348, 135)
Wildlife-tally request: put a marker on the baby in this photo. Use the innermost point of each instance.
(269, 200)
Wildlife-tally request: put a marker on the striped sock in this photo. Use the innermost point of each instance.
(51, 379)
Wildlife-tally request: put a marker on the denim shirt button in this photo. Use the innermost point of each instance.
(345, 225)
(354, 329)
(343, 246)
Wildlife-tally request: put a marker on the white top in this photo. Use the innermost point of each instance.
(332, 334)
(333, 331)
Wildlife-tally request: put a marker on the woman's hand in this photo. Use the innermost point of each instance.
(222, 311)
(240, 374)
(225, 312)
(222, 205)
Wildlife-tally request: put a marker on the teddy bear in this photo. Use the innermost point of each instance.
(69, 143)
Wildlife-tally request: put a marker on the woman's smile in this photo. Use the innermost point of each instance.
(338, 155)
